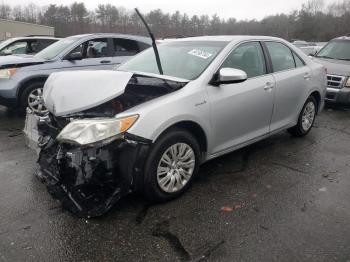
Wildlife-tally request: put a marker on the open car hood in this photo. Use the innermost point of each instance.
(67, 93)
(70, 92)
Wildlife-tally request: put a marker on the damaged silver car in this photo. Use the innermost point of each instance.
(149, 125)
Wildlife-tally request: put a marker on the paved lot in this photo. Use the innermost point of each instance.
(286, 199)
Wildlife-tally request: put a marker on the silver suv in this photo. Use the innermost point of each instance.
(22, 78)
(110, 133)
(335, 56)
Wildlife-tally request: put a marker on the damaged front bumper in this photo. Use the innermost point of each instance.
(87, 180)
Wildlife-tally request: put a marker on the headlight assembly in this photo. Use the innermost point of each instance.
(7, 73)
(88, 131)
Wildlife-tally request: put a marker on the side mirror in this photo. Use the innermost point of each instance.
(75, 56)
(230, 76)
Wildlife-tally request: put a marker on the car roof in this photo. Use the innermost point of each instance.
(133, 37)
(35, 37)
(342, 38)
(228, 38)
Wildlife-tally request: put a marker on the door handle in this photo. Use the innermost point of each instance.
(105, 61)
(268, 86)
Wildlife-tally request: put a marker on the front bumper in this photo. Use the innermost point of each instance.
(8, 102)
(338, 96)
(88, 181)
(8, 93)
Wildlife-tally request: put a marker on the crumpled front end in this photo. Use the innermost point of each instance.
(88, 180)
(87, 158)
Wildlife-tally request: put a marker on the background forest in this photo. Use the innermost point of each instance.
(314, 21)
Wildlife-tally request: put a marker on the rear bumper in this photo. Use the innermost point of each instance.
(338, 96)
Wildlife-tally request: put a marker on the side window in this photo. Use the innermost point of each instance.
(43, 43)
(19, 47)
(94, 48)
(125, 47)
(298, 61)
(248, 57)
(33, 47)
(281, 56)
(143, 46)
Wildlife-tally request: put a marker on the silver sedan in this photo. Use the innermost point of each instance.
(135, 129)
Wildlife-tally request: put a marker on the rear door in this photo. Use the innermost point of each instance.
(241, 112)
(292, 78)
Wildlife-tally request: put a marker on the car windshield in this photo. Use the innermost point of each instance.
(55, 49)
(182, 59)
(337, 49)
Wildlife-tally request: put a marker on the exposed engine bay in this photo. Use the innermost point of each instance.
(89, 179)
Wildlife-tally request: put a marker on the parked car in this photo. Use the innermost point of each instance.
(335, 56)
(109, 133)
(22, 79)
(309, 48)
(29, 45)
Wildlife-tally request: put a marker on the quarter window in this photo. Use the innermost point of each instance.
(281, 56)
(248, 57)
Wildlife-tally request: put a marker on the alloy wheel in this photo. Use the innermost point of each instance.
(308, 116)
(36, 102)
(176, 167)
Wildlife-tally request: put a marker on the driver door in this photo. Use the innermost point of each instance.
(241, 112)
(96, 54)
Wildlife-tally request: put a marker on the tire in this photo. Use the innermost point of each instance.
(181, 139)
(30, 90)
(306, 118)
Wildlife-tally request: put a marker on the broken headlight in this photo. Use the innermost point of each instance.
(88, 131)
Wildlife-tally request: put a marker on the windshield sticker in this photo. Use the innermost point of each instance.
(200, 53)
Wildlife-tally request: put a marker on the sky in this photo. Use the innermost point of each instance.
(241, 10)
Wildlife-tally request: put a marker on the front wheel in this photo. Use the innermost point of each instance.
(32, 97)
(171, 166)
(306, 118)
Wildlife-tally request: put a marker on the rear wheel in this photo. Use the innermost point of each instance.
(32, 97)
(306, 118)
(171, 166)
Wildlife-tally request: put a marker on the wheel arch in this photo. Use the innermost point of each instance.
(316, 94)
(195, 129)
(26, 82)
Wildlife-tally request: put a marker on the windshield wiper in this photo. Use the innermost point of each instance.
(154, 45)
(344, 59)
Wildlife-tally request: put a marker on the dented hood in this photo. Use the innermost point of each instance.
(70, 92)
